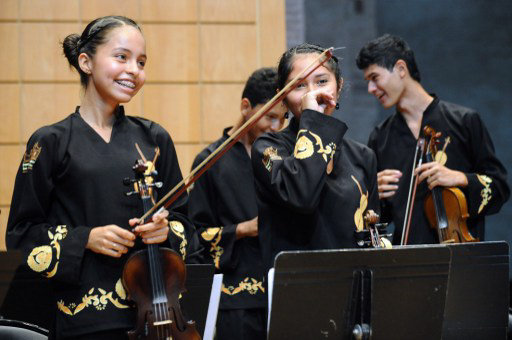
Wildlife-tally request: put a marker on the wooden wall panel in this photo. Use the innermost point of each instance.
(11, 158)
(272, 30)
(223, 108)
(49, 9)
(176, 108)
(9, 57)
(186, 154)
(9, 10)
(172, 52)
(92, 9)
(165, 10)
(227, 10)
(10, 113)
(4, 214)
(200, 53)
(41, 52)
(228, 52)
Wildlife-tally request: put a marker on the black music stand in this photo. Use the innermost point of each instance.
(194, 303)
(346, 294)
(478, 290)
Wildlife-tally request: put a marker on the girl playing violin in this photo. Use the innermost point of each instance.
(313, 184)
(69, 211)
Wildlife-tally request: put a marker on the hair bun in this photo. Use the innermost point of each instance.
(70, 48)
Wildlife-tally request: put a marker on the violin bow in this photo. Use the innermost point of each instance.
(198, 171)
(420, 148)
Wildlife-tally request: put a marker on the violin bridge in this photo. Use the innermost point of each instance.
(161, 323)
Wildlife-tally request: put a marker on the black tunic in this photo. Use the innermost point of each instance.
(471, 151)
(71, 180)
(301, 206)
(223, 197)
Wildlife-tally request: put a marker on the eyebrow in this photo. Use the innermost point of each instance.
(321, 75)
(367, 77)
(127, 50)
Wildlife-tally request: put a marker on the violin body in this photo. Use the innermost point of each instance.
(446, 207)
(157, 318)
(154, 279)
(456, 212)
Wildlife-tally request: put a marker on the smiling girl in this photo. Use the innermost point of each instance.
(313, 184)
(69, 211)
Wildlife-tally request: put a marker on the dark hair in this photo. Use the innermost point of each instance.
(261, 86)
(285, 63)
(385, 51)
(93, 35)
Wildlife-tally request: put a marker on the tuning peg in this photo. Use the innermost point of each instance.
(131, 193)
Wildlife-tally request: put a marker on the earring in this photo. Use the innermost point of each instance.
(337, 106)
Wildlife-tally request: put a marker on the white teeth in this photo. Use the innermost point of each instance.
(126, 83)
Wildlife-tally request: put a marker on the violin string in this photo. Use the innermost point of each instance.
(154, 279)
(160, 289)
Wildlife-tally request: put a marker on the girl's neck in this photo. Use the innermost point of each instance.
(97, 112)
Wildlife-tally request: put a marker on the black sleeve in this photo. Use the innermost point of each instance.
(487, 188)
(182, 235)
(295, 178)
(56, 251)
(218, 241)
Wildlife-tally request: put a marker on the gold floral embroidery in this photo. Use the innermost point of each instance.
(178, 229)
(486, 192)
(328, 151)
(269, 156)
(213, 235)
(30, 158)
(40, 258)
(99, 300)
(252, 287)
(303, 147)
(363, 203)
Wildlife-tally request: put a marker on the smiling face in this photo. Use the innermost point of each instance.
(387, 86)
(273, 121)
(117, 69)
(321, 79)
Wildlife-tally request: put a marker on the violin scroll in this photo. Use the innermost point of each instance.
(374, 234)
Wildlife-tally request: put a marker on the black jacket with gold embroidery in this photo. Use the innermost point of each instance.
(306, 201)
(70, 181)
(223, 197)
(470, 150)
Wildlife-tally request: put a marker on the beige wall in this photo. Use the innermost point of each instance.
(200, 52)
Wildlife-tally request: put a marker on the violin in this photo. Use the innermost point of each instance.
(154, 279)
(373, 234)
(446, 207)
